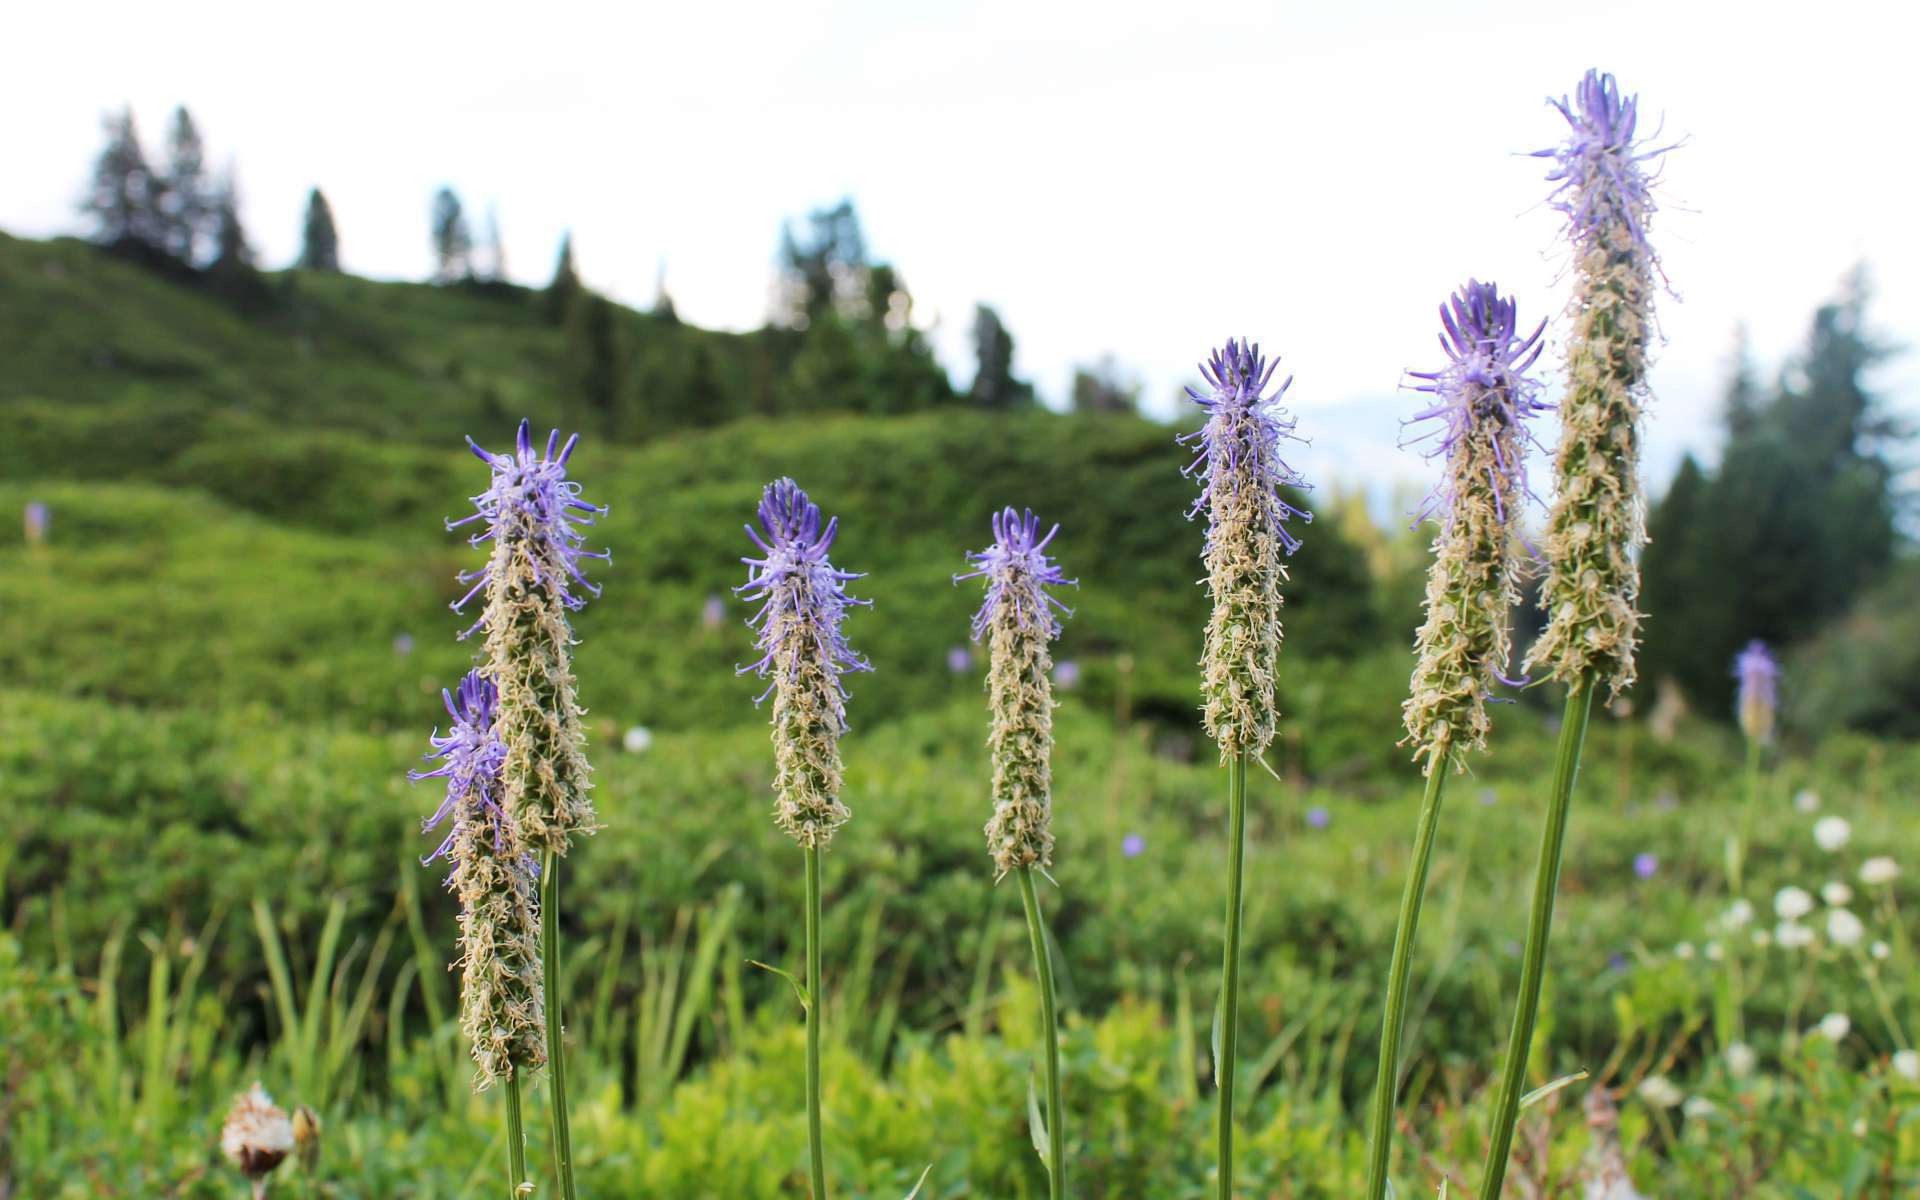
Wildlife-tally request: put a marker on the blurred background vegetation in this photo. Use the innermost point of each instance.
(227, 626)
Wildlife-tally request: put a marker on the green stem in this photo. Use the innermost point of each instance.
(516, 1136)
(1043, 970)
(1387, 1083)
(556, 1027)
(1229, 1011)
(1566, 767)
(1737, 861)
(816, 1147)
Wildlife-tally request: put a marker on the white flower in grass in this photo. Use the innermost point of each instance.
(1791, 903)
(1831, 833)
(1741, 1059)
(1698, 1108)
(1836, 893)
(1660, 1091)
(1762, 938)
(1843, 928)
(1683, 951)
(1878, 870)
(1881, 951)
(1906, 1064)
(1807, 800)
(637, 740)
(257, 1134)
(1791, 935)
(1739, 914)
(1835, 1026)
(1713, 951)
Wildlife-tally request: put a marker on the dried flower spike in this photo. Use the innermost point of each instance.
(533, 515)
(1759, 700)
(1018, 619)
(257, 1136)
(1242, 474)
(804, 603)
(502, 1011)
(1598, 521)
(1482, 400)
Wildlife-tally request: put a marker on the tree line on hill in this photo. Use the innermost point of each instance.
(1796, 525)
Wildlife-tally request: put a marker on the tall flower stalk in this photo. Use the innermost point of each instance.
(534, 516)
(803, 604)
(1598, 519)
(1018, 621)
(1481, 402)
(1757, 705)
(1242, 475)
(502, 1009)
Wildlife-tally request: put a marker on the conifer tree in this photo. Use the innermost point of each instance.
(233, 275)
(557, 300)
(593, 363)
(993, 383)
(187, 208)
(452, 239)
(319, 242)
(122, 198)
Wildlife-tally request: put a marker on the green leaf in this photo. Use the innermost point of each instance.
(923, 1182)
(798, 989)
(1545, 1090)
(1037, 1124)
(1216, 1038)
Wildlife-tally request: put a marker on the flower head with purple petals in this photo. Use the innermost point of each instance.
(532, 502)
(1759, 697)
(1483, 391)
(470, 756)
(1018, 573)
(1248, 538)
(804, 653)
(1603, 182)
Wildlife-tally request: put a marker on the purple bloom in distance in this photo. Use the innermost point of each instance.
(1066, 673)
(1759, 698)
(959, 661)
(36, 520)
(402, 644)
(1133, 845)
(531, 500)
(470, 757)
(1318, 817)
(1018, 573)
(1645, 865)
(713, 613)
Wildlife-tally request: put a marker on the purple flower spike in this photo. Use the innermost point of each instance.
(470, 757)
(804, 598)
(1599, 168)
(1484, 387)
(1240, 443)
(1018, 572)
(531, 500)
(1759, 699)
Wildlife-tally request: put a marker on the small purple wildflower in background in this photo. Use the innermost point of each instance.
(1759, 696)
(1133, 845)
(803, 648)
(959, 660)
(1646, 865)
(36, 521)
(1318, 817)
(1489, 797)
(713, 613)
(532, 501)
(402, 645)
(1066, 673)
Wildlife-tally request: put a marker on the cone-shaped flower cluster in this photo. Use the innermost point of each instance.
(1759, 699)
(1598, 518)
(533, 515)
(501, 1008)
(1242, 474)
(1482, 400)
(1018, 620)
(804, 603)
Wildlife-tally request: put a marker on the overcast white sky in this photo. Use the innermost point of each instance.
(1139, 179)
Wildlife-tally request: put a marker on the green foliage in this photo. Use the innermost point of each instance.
(319, 241)
(1794, 525)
